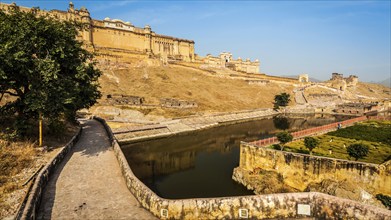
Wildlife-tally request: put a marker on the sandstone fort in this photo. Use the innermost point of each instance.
(114, 39)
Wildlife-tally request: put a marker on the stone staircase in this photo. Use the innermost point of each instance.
(299, 97)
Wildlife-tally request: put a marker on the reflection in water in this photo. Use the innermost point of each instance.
(200, 164)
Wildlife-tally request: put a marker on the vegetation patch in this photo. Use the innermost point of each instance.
(14, 158)
(373, 131)
(21, 158)
(386, 200)
(335, 145)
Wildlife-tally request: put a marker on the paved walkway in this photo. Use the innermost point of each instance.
(88, 184)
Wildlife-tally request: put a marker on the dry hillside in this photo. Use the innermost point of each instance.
(213, 91)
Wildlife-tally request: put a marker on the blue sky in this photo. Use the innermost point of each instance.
(288, 37)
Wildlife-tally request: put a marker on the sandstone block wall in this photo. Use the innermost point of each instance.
(299, 170)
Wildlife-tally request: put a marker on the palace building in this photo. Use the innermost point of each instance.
(113, 37)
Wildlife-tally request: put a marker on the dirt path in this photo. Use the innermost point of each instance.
(88, 184)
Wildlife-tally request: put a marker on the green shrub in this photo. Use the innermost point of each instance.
(379, 133)
(276, 147)
(386, 200)
(358, 150)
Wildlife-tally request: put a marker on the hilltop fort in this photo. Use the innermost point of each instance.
(117, 40)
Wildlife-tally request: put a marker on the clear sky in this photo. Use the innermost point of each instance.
(288, 37)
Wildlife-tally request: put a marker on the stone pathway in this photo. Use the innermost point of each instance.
(88, 184)
(300, 98)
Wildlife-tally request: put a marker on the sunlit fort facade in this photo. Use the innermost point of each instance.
(114, 35)
(115, 39)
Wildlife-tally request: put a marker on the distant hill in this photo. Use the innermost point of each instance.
(386, 82)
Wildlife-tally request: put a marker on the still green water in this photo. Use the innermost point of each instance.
(200, 164)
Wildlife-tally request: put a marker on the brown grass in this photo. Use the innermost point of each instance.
(214, 90)
(212, 93)
(14, 158)
(19, 160)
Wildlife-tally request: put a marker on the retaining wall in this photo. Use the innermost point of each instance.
(300, 170)
(288, 205)
(29, 210)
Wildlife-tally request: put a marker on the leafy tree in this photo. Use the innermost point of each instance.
(358, 151)
(44, 67)
(284, 137)
(281, 122)
(310, 143)
(281, 100)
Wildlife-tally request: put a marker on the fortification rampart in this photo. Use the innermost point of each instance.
(288, 205)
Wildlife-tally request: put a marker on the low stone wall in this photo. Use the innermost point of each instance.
(300, 170)
(289, 205)
(29, 210)
(124, 100)
(306, 110)
(175, 103)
